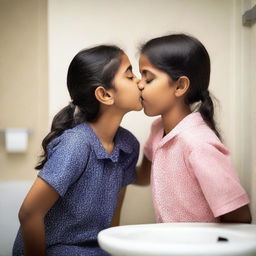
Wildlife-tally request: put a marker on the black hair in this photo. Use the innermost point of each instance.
(183, 55)
(89, 69)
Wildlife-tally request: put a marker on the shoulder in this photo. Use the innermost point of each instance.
(202, 138)
(73, 139)
(77, 136)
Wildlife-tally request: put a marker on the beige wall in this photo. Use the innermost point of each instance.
(245, 87)
(23, 81)
(252, 110)
(253, 134)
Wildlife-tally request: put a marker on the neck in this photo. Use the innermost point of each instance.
(174, 116)
(106, 127)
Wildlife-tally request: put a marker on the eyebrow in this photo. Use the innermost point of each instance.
(128, 69)
(145, 72)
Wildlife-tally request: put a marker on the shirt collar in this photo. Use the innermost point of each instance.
(121, 143)
(191, 120)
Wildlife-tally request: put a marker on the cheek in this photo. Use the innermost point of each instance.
(131, 91)
(153, 94)
(128, 97)
(156, 101)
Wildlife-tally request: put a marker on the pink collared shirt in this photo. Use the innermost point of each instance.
(192, 177)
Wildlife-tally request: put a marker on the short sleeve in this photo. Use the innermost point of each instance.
(218, 180)
(129, 167)
(66, 162)
(148, 146)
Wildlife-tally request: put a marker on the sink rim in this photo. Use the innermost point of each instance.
(109, 240)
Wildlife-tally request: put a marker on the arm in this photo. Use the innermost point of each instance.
(240, 215)
(143, 172)
(116, 218)
(37, 203)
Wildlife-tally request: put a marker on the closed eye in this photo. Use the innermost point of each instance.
(148, 81)
(147, 75)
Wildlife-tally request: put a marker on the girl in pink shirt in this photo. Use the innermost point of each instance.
(192, 177)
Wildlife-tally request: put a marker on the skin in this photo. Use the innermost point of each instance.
(154, 85)
(114, 104)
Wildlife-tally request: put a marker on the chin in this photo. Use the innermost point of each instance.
(150, 113)
(138, 107)
(135, 108)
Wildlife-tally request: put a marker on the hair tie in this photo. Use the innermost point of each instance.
(71, 104)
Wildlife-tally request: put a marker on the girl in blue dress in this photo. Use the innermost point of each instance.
(88, 160)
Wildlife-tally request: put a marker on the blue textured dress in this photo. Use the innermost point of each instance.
(88, 180)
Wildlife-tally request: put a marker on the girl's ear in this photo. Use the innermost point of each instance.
(182, 86)
(104, 96)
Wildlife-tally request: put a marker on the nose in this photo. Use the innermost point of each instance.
(140, 85)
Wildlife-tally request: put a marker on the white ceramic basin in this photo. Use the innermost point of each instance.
(180, 239)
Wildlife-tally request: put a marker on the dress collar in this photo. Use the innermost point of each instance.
(121, 143)
(191, 120)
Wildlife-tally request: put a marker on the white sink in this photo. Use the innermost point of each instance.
(180, 239)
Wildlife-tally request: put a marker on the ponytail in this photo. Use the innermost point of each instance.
(206, 110)
(62, 121)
